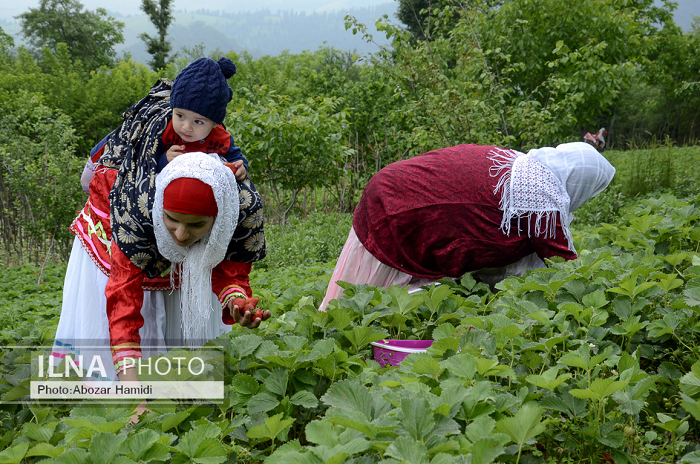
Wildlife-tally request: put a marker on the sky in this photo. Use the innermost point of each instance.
(10, 8)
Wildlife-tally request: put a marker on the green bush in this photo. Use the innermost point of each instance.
(40, 176)
(314, 240)
(656, 169)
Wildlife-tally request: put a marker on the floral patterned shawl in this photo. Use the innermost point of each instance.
(132, 149)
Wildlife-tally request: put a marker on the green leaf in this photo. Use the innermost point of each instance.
(190, 442)
(599, 389)
(14, 454)
(417, 418)
(691, 405)
(276, 382)
(139, 443)
(104, 446)
(16, 392)
(480, 428)
(45, 449)
(74, 456)
(526, 424)
(321, 433)
(445, 330)
(548, 379)
(691, 458)
(596, 299)
(245, 384)
(352, 396)
(510, 331)
(341, 451)
(341, 318)
(363, 336)
(173, 420)
(158, 452)
(484, 365)
(460, 365)
(437, 295)
(42, 433)
(408, 449)
(285, 359)
(486, 450)
(627, 404)
(402, 300)
(272, 427)
(245, 345)
(88, 422)
(423, 364)
(574, 407)
(690, 382)
(262, 402)
(305, 399)
(352, 420)
(574, 359)
(210, 451)
(614, 439)
(691, 293)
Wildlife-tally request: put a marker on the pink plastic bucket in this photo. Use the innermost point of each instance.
(394, 351)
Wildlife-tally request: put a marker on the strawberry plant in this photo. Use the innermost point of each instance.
(592, 360)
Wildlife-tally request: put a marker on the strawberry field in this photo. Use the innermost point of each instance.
(594, 360)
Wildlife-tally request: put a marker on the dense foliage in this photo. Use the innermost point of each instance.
(593, 360)
(317, 125)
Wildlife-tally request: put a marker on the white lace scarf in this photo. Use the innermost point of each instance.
(528, 188)
(194, 264)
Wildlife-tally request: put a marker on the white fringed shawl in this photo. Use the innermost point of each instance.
(547, 181)
(194, 264)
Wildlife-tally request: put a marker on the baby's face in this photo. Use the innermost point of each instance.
(191, 126)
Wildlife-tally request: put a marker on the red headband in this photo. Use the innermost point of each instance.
(190, 196)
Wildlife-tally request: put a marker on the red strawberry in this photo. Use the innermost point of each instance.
(240, 302)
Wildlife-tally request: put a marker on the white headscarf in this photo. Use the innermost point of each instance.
(547, 181)
(194, 263)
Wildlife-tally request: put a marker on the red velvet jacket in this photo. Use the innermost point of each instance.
(436, 215)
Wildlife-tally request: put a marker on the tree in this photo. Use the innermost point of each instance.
(6, 46)
(548, 47)
(161, 16)
(414, 13)
(291, 145)
(424, 18)
(89, 35)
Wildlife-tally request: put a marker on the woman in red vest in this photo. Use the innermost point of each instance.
(468, 208)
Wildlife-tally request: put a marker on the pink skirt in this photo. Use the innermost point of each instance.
(357, 266)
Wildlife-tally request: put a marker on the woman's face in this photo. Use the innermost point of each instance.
(186, 229)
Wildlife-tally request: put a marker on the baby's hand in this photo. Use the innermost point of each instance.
(174, 152)
(239, 170)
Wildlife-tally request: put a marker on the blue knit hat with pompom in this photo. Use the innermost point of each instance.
(201, 87)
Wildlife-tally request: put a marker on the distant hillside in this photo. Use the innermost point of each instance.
(260, 33)
(267, 32)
